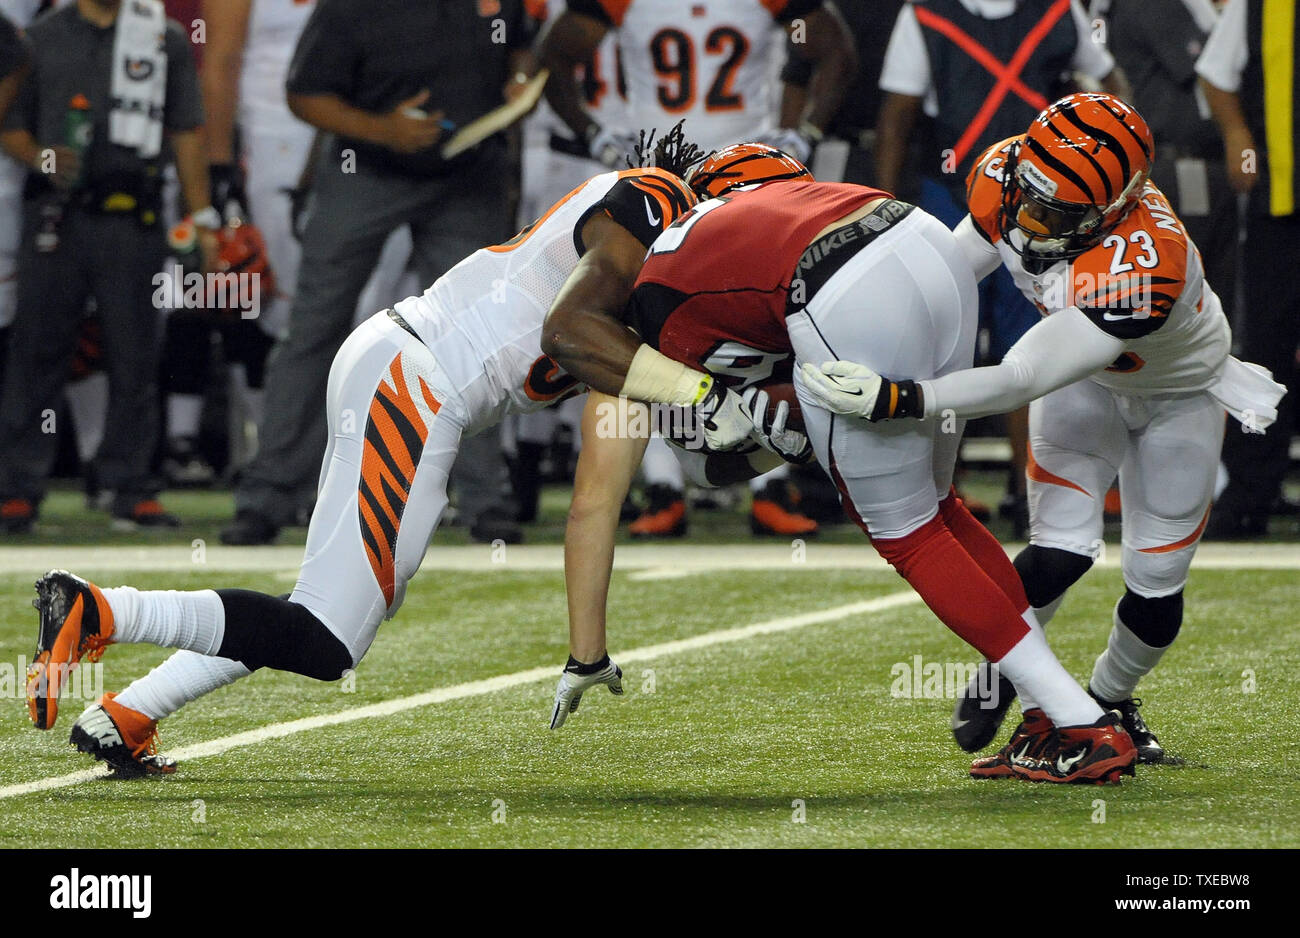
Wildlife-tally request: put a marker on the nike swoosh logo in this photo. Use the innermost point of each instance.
(843, 388)
(1064, 765)
(650, 214)
(1111, 317)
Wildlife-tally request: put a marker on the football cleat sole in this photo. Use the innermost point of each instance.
(75, 623)
(973, 724)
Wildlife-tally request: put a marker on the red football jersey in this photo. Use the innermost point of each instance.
(714, 290)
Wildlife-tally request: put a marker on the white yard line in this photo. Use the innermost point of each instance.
(652, 561)
(478, 688)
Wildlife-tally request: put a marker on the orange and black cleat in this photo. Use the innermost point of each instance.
(665, 516)
(76, 623)
(1034, 732)
(1095, 754)
(126, 739)
(775, 512)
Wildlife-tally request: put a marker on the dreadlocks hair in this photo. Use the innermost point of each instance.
(671, 152)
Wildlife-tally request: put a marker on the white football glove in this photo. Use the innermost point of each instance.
(611, 147)
(790, 141)
(849, 388)
(724, 419)
(789, 444)
(572, 684)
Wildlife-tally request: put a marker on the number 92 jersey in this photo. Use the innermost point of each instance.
(708, 61)
(483, 318)
(1142, 283)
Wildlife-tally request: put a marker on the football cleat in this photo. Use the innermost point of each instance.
(774, 512)
(17, 515)
(975, 719)
(146, 513)
(665, 516)
(1150, 752)
(1028, 739)
(126, 739)
(76, 623)
(1093, 754)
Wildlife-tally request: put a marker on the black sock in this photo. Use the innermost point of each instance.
(267, 632)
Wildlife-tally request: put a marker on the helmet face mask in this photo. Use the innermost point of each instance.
(1076, 174)
(743, 164)
(1051, 229)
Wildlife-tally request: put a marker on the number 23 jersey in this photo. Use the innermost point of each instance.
(1143, 283)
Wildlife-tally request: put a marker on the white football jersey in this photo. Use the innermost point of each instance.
(709, 62)
(483, 318)
(273, 30)
(1143, 283)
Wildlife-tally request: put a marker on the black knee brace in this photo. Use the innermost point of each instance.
(267, 632)
(1047, 572)
(1154, 621)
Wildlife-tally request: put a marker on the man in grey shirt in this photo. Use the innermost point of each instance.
(91, 228)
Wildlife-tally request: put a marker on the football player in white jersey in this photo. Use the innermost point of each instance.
(1129, 373)
(712, 63)
(481, 342)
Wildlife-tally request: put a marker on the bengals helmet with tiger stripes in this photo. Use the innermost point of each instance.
(1078, 171)
(744, 164)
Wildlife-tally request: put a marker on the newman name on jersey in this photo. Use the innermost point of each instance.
(1143, 283)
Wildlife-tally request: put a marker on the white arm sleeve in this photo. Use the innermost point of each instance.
(1059, 350)
(1226, 50)
(984, 257)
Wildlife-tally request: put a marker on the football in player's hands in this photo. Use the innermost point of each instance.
(777, 394)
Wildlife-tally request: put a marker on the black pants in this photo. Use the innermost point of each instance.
(114, 259)
(1269, 333)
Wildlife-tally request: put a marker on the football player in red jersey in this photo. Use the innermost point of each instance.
(776, 270)
(1128, 372)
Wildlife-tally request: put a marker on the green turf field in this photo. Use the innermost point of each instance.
(784, 738)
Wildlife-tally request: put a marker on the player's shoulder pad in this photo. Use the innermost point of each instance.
(1129, 282)
(644, 201)
(783, 11)
(984, 187)
(609, 12)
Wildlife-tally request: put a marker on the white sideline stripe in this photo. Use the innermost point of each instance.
(478, 688)
(652, 561)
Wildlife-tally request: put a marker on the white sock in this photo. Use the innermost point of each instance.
(758, 483)
(1041, 681)
(183, 414)
(183, 677)
(1126, 660)
(170, 618)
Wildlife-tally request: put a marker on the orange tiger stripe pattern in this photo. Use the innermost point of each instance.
(672, 196)
(395, 438)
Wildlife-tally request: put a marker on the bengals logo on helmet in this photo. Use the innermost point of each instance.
(744, 164)
(1078, 171)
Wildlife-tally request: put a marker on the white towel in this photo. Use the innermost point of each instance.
(1249, 393)
(139, 84)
